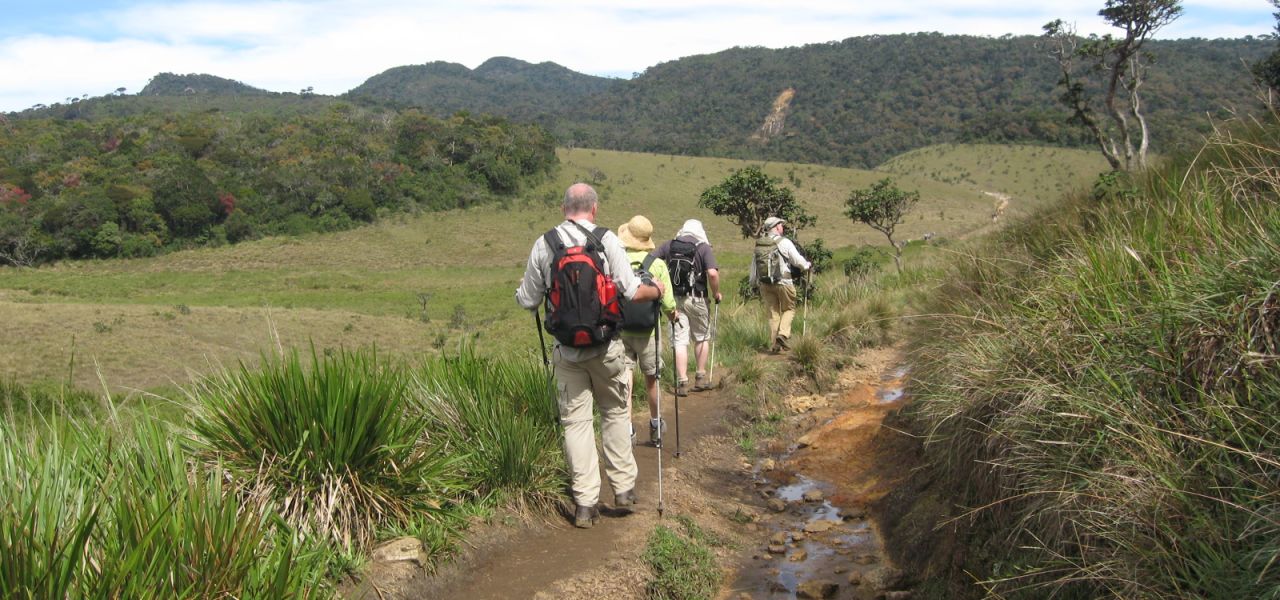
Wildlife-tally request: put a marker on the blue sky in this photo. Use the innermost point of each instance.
(52, 50)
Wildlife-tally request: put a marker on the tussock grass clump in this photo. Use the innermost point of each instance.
(1108, 384)
(682, 564)
(501, 418)
(93, 513)
(337, 445)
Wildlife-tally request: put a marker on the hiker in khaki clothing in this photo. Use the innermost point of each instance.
(590, 375)
(642, 349)
(777, 290)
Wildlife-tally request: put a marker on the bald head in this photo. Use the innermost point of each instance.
(579, 200)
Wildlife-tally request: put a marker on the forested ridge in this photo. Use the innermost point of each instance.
(856, 102)
(143, 184)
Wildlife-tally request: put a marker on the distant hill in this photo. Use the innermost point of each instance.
(503, 86)
(855, 102)
(169, 84)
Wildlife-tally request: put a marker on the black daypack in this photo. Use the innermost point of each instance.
(640, 316)
(768, 260)
(685, 280)
(582, 301)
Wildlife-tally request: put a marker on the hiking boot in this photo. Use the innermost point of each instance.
(682, 387)
(626, 498)
(701, 383)
(656, 427)
(781, 344)
(585, 516)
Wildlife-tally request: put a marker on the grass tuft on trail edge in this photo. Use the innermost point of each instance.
(682, 563)
(335, 444)
(1104, 388)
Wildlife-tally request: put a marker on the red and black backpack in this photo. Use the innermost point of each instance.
(582, 301)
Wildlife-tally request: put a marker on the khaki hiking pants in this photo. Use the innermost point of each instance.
(780, 301)
(603, 381)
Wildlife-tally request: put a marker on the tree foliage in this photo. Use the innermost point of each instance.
(147, 183)
(1121, 68)
(1267, 70)
(747, 197)
(882, 207)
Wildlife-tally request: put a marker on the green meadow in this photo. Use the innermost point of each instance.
(422, 284)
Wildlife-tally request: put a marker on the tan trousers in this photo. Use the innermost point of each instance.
(780, 301)
(602, 381)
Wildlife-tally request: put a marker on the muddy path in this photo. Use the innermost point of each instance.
(794, 522)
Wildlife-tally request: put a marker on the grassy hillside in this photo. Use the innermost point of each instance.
(1099, 390)
(146, 322)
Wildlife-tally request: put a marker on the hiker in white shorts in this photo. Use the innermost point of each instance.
(695, 279)
(589, 375)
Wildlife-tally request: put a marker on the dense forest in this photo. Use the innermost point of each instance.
(150, 182)
(856, 102)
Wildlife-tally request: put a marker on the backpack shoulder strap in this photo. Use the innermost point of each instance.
(647, 262)
(552, 237)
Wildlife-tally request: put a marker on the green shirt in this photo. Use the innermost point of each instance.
(658, 268)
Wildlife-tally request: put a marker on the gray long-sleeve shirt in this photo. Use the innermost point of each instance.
(537, 275)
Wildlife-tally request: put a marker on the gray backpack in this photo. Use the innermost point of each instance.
(768, 260)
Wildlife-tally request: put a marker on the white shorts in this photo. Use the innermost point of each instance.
(694, 320)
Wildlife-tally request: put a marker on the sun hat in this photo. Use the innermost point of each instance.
(771, 221)
(636, 234)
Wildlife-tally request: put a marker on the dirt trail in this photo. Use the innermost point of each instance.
(842, 451)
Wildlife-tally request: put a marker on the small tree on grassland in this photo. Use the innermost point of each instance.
(882, 206)
(1122, 67)
(748, 197)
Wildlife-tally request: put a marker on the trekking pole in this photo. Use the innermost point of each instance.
(542, 345)
(715, 337)
(804, 318)
(674, 374)
(657, 364)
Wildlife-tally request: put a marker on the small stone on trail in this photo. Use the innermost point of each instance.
(779, 538)
(744, 596)
(817, 588)
(886, 578)
(768, 464)
(866, 559)
(799, 536)
(854, 514)
(839, 570)
(777, 548)
(813, 496)
(777, 505)
(855, 578)
(798, 556)
(401, 549)
(817, 526)
(902, 595)
(806, 441)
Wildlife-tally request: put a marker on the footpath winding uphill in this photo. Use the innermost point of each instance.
(795, 521)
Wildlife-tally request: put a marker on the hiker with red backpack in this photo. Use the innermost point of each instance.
(579, 273)
(640, 320)
(695, 278)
